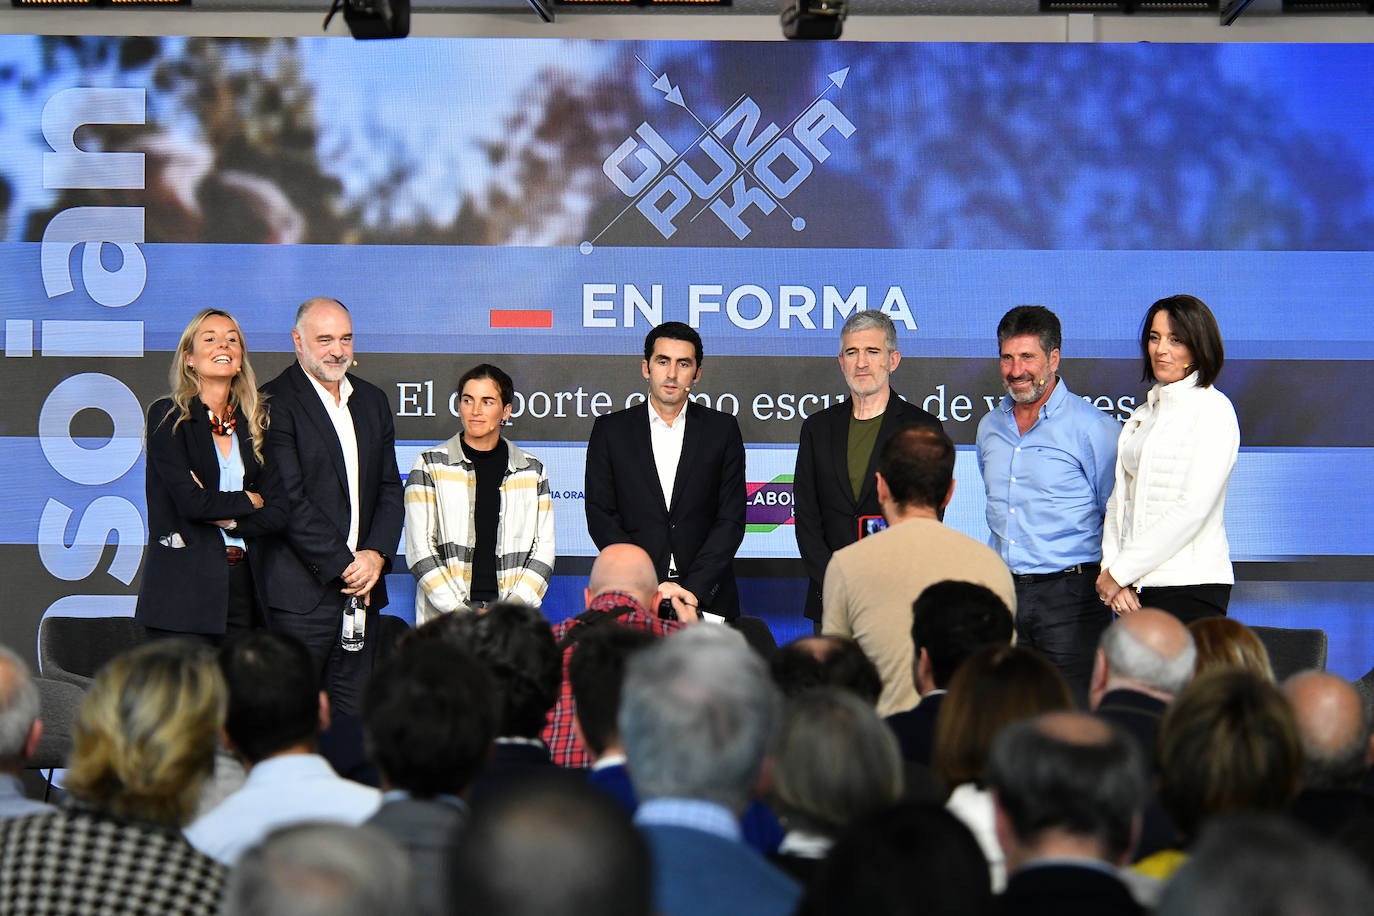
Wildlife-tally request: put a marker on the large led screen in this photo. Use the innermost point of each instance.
(541, 204)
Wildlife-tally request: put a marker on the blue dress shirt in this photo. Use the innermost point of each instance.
(1047, 490)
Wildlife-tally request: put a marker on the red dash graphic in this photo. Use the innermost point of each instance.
(522, 318)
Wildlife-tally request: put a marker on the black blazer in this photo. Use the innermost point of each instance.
(307, 474)
(186, 588)
(826, 514)
(705, 524)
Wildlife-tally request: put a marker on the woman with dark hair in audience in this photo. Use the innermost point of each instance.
(1163, 540)
(1225, 643)
(834, 760)
(203, 478)
(994, 687)
(910, 859)
(1228, 743)
(145, 741)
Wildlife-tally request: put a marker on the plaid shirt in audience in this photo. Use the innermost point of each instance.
(559, 734)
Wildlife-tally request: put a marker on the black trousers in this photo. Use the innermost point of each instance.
(1062, 618)
(1188, 602)
(342, 675)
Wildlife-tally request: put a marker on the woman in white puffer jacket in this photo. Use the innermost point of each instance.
(1163, 541)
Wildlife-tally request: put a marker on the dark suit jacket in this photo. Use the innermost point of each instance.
(1138, 714)
(705, 524)
(826, 512)
(915, 728)
(1066, 890)
(427, 829)
(186, 589)
(741, 881)
(307, 470)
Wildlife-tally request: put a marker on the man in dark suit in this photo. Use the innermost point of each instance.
(833, 488)
(331, 454)
(1143, 661)
(949, 622)
(1068, 789)
(668, 475)
(430, 714)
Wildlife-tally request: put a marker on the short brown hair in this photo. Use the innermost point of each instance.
(1196, 326)
(1224, 642)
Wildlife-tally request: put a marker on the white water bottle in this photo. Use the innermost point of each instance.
(354, 625)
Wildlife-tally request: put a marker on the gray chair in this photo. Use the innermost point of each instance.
(73, 649)
(1291, 651)
(58, 707)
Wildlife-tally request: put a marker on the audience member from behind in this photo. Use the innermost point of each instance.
(825, 661)
(697, 715)
(869, 586)
(623, 588)
(1069, 792)
(1263, 865)
(1228, 743)
(144, 743)
(429, 715)
(949, 622)
(997, 686)
(552, 849)
(20, 729)
(276, 712)
(1337, 750)
(516, 644)
(1226, 643)
(1143, 661)
(833, 761)
(321, 869)
(909, 859)
(597, 674)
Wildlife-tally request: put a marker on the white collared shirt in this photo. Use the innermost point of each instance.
(667, 445)
(348, 442)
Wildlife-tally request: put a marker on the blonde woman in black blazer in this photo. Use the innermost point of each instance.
(204, 473)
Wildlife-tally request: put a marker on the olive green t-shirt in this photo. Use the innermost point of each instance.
(862, 436)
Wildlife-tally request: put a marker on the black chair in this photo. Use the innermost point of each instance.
(756, 632)
(73, 649)
(1291, 651)
(390, 630)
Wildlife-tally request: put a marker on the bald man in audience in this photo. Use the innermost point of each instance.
(1143, 660)
(623, 588)
(20, 729)
(1337, 749)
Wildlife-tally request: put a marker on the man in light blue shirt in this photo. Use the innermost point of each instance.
(276, 711)
(1048, 459)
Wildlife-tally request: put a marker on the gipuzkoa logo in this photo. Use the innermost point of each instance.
(747, 166)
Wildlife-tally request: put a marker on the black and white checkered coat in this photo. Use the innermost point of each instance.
(83, 862)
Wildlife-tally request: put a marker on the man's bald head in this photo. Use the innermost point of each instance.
(1149, 651)
(624, 568)
(309, 305)
(1335, 730)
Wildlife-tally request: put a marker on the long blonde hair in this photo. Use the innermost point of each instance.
(243, 390)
